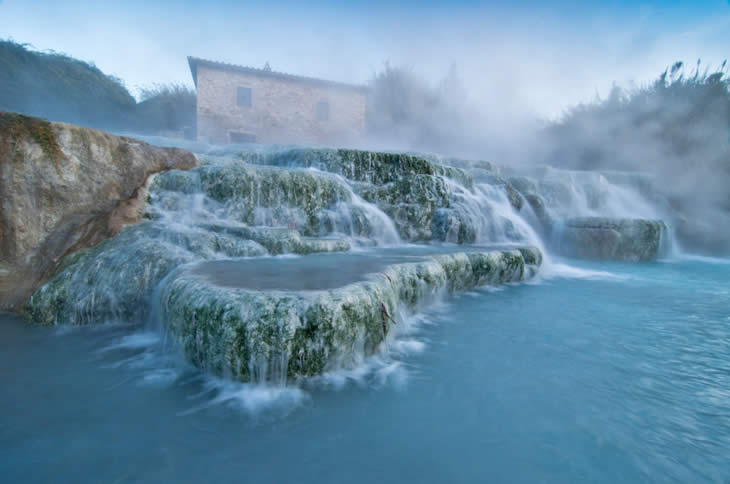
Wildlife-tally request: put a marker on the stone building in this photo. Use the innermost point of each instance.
(239, 104)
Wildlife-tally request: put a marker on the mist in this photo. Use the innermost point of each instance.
(415, 241)
(519, 85)
(676, 129)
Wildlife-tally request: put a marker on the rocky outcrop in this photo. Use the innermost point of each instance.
(428, 198)
(415, 192)
(114, 281)
(65, 188)
(373, 167)
(280, 336)
(304, 200)
(614, 239)
(230, 209)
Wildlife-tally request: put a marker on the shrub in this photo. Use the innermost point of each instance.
(166, 107)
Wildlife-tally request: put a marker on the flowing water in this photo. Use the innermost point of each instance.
(606, 373)
(593, 372)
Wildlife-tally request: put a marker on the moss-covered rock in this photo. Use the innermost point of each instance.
(309, 202)
(278, 336)
(65, 188)
(114, 280)
(372, 167)
(280, 240)
(422, 197)
(615, 239)
(16, 128)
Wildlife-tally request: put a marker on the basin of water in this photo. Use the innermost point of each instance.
(318, 271)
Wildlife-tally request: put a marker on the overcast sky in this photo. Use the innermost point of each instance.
(527, 57)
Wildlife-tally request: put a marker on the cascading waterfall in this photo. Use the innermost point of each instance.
(514, 225)
(582, 193)
(228, 209)
(595, 200)
(362, 222)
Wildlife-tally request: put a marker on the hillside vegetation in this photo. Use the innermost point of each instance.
(60, 88)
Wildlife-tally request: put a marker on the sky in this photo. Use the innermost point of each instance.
(514, 58)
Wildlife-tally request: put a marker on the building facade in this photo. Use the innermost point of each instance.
(237, 104)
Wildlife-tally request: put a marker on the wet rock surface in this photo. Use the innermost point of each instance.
(115, 280)
(614, 239)
(427, 197)
(279, 336)
(202, 263)
(65, 188)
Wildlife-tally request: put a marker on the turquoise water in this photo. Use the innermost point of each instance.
(621, 374)
(318, 271)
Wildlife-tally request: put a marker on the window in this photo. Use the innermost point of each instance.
(244, 97)
(242, 137)
(323, 111)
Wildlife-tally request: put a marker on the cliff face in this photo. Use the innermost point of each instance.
(65, 188)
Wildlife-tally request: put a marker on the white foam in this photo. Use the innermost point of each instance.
(559, 270)
(489, 289)
(159, 377)
(393, 373)
(133, 341)
(685, 257)
(250, 398)
(408, 346)
(385, 366)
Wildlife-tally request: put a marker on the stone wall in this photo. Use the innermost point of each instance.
(281, 110)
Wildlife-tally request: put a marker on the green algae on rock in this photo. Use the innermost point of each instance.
(615, 239)
(408, 188)
(419, 196)
(16, 128)
(114, 280)
(377, 168)
(280, 336)
(310, 202)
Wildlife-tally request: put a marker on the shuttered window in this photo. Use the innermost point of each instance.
(243, 98)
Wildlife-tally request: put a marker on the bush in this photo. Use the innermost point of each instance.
(676, 120)
(677, 128)
(168, 107)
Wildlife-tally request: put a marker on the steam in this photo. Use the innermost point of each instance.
(465, 79)
(405, 112)
(676, 129)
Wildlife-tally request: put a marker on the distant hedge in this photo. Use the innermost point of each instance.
(166, 107)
